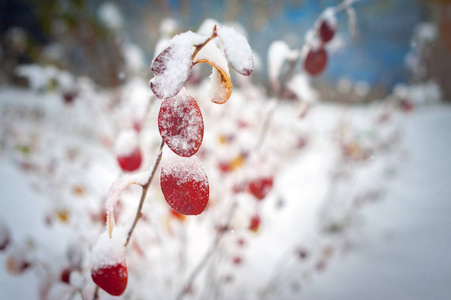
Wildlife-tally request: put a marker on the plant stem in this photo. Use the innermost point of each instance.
(96, 293)
(144, 193)
(207, 255)
(283, 81)
(200, 46)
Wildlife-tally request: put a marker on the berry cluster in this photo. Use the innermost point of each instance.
(315, 61)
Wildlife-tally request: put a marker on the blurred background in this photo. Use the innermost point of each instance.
(98, 39)
(357, 159)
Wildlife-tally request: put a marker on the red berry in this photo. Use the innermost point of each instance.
(137, 125)
(184, 184)
(181, 124)
(237, 260)
(69, 96)
(315, 62)
(111, 278)
(260, 187)
(65, 275)
(255, 223)
(130, 162)
(406, 106)
(224, 167)
(326, 31)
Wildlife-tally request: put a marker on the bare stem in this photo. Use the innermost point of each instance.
(283, 81)
(207, 255)
(144, 193)
(200, 46)
(96, 293)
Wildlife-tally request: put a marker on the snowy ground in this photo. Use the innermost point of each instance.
(404, 250)
(399, 252)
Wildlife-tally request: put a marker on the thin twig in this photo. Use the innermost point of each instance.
(283, 81)
(144, 193)
(200, 46)
(96, 293)
(207, 255)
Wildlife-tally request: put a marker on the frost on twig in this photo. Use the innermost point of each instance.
(116, 190)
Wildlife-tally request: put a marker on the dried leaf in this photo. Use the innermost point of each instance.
(221, 83)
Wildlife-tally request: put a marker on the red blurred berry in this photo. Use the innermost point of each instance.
(255, 223)
(130, 162)
(137, 125)
(65, 275)
(224, 167)
(111, 278)
(69, 96)
(237, 260)
(326, 31)
(315, 62)
(241, 242)
(260, 187)
(406, 106)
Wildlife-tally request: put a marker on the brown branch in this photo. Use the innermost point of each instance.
(144, 193)
(200, 46)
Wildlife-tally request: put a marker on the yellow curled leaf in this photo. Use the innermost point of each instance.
(221, 88)
(111, 222)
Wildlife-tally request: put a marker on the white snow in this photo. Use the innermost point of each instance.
(172, 66)
(109, 251)
(301, 86)
(278, 53)
(168, 27)
(329, 16)
(134, 57)
(183, 169)
(110, 15)
(116, 189)
(37, 76)
(237, 50)
(126, 142)
(403, 252)
(212, 53)
(426, 32)
(206, 28)
(188, 123)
